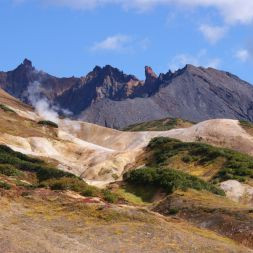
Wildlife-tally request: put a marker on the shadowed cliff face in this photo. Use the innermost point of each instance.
(17, 82)
(99, 84)
(108, 97)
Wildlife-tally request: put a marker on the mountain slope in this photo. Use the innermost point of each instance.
(99, 154)
(63, 209)
(18, 81)
(61, 223)
(108, 97)
(159, 125)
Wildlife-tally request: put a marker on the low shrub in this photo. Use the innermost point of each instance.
(9, 170)
(115, 176)
(236, 165)
(158, 125)
(48, 123)
(73, 184)
(5, 150)
(6, 108)
(44, 173)
(187, 159)
(22, 162)
(173, 211)
(26, 185)
(14, 164)
(245, 123)
(169, 180)
(110, 196)
(4, 185)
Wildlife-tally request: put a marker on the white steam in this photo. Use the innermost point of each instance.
(41, 104)
(49, 111)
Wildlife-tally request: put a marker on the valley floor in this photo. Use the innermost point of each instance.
(44, 221)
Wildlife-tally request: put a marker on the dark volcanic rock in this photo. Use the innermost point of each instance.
(101, 83)
(16, 82)
(109, 97)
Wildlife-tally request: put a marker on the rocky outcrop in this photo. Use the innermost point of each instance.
(109, 97)
(18, 81)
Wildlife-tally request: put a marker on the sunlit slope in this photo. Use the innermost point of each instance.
(99, 154)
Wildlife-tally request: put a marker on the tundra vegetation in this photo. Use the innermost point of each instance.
(234, 165)
(41, 174)
(6, 108)
(159, 125)
(48, 123)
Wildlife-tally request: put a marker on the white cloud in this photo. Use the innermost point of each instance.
(144, 43)
(213, 33)
(233, 11)
(243, 55)
(121, 43)
(200, 59)
(112, 43)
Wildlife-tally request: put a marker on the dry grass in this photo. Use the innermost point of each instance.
(213, 212)
(16, 125)
(55, 218)
(206, 172)
(208, 200)
(160, 125)
(247, 126)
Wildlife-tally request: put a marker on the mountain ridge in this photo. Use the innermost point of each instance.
(109, 97)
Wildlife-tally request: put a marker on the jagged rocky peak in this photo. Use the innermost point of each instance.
(191, 68)
(97, 69)
(25, 67)
(166, 76)
(27, 62)
(113, 73)
(108, 91)
(149, 73)
(106, 70)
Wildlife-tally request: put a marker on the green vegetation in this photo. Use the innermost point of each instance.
(133, 197)
(236, 165)
(173, 211)
(17, 164)
(245, 123)
(22, 162)
(110, 196)
(73, 184)
(79, 186)
(6, 108)
(5, 186)
(247, 126)
(9, 170)
(159, 125)
(187, 159)
(48, 123)
(169, 180)
(138, 194)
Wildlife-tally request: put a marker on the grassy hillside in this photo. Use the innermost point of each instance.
(195, 198)
(32, 193)
(64, 224)
(218, 213)
(205, 161)
(169, 180)
(19, 170)
(159, 125)
(247, 126)
(13, 124)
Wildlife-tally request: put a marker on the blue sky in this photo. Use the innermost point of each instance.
(70, 37)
